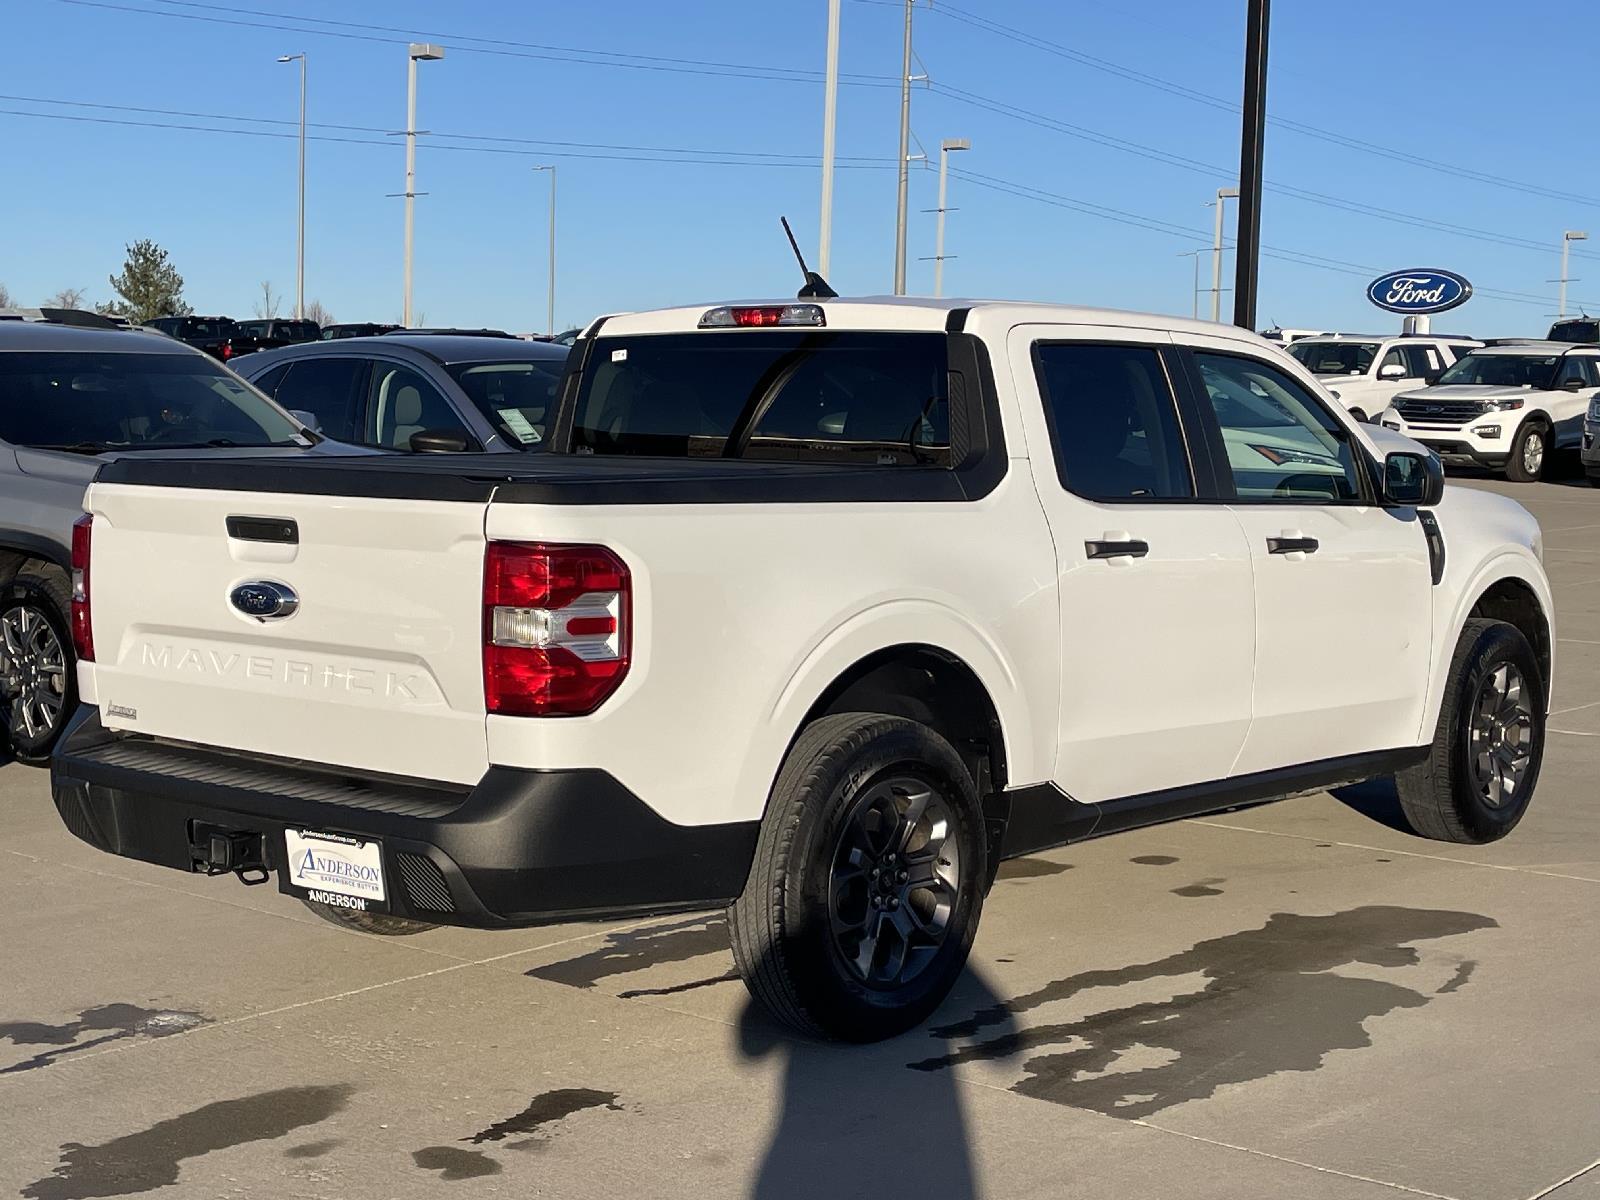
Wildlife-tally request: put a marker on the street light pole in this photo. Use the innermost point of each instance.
(1194, 292)
(945, 149)
(1252, 144)
(300, 236)
(905, 160)
(1567, 238)
(550, 299)
(830, 108)
(1223, 195)
(419, 52)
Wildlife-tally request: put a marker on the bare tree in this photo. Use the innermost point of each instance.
(315, 312)
(69, 297)
(5, 297)
(267, 303)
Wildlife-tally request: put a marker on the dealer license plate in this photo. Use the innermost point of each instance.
(336, 869)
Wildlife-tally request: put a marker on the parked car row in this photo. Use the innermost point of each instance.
(812, 610)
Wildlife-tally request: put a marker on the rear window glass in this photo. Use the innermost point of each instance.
(517, 397)
(873, 398)
(297, 331)
(201, 327)
(96, 402)
(1335, 358)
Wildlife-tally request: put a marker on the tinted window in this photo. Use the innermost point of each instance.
(1113, 422)
(818, 396)
(517, 397)
(401, 403)
(327, 388)
(269, 382)
(1420, 361)
(1281, 443)
(254, 328)
(131, 402)
(296, 331)
(1335, 358)
(1575, 331)
(1394, 358)
(205, 328)
(1580, 368)
(1503, 370)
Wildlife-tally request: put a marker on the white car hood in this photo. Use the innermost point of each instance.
(1465, 391)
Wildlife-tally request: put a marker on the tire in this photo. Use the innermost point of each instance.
(1594, 479)
(1450, 797)
(1531, 443)
(38, 667)
(364, 922)
(827, 876)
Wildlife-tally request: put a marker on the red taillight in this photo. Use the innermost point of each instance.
(227, 351)
(555, 628)
(757, 316)
(82, 629)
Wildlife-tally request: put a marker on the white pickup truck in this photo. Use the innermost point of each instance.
(815, 609)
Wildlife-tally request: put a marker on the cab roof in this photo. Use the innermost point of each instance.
(42, 335)
(908, 313)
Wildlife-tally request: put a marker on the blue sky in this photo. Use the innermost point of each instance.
(1386, 84)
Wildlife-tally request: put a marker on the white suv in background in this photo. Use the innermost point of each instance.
(1504, 407)
(1366, 372)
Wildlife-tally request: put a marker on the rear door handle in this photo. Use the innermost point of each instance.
(1292, 545)
(1129, 548)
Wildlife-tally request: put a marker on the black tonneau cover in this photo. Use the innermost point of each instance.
(562, 479)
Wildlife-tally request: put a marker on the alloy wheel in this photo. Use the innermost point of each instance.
(1500, 736)
(895, 881)
(1533, 452)
(33, 673)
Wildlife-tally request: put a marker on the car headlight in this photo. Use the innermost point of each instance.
(1506, 405)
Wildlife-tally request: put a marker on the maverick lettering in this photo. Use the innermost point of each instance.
(405, 686)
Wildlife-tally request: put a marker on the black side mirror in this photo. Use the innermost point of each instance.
(1412, 480)
(308, 419)
(439, 441)
(1572, 385)
(1432, 377)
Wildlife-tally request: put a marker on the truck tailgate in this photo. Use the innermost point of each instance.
(377, 669)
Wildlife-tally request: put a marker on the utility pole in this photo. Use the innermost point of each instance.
(419, 52)
(946, 147)
(1567, 238)
(300, 236)
(551, 296)
(830, 109)
(905, 160)
(1252, 141)
(1194, 292)
(1223, 195)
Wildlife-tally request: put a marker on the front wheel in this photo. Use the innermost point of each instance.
(867, 883)
(38, 670)
(1480, 773)
(1528, 453)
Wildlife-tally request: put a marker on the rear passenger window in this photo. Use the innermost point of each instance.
(328, 389)
(269, 381)
(1113, 422)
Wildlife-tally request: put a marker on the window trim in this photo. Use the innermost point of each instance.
(1196, 456)
(357, 413)
(1222, 473)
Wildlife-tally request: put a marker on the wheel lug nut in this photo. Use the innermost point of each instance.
(902, 877)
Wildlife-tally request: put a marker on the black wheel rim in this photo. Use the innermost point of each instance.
(894, 882)
(1500, 736)
(33, 674)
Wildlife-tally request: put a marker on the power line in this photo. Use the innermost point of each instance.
(1140, 77)
(495, 46)
(657, 154)
(1214, 172)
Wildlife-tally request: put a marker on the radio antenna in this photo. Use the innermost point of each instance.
(815, 286)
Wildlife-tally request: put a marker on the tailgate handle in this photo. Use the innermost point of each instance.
(264, 529)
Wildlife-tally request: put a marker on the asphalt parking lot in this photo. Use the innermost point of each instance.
(1294, 1000)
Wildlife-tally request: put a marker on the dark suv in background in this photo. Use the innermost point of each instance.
(219, 337)
(424, 392)
(272, 332)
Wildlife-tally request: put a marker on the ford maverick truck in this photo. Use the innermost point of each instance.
(815, 610)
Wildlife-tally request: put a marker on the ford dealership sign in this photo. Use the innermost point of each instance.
(1415, 292)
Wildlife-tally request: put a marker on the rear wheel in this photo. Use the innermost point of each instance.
(1480, 774)
(364, 922)
(867, 883)
(1528, 453)
(38, 670)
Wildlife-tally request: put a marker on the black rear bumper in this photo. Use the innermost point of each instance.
(520, 848)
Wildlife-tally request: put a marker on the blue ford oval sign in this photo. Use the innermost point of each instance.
(1415, 292)
(264, 599)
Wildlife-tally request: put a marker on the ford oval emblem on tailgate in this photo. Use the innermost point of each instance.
(264, 600)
